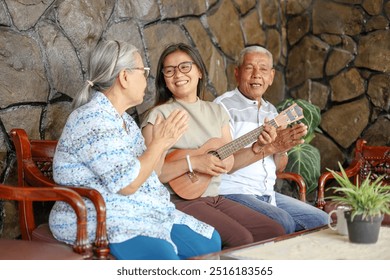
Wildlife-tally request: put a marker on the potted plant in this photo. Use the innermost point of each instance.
(368, 202)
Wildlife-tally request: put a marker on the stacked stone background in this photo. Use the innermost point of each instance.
(336, 54)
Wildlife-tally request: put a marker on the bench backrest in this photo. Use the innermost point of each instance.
(374, 160)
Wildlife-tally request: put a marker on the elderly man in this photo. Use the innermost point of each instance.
(253, 185)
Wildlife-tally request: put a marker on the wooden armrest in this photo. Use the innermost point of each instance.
(81, 245)
(29, 153)
(34, 176)
(101, 241)
(300, 182)
(351, 171)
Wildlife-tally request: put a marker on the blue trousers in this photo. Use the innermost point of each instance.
(188, 243)
(292, 214)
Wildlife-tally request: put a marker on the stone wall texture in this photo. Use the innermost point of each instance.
(335, 54)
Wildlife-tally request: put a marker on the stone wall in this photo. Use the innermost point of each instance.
(339, 59)
(335, 54)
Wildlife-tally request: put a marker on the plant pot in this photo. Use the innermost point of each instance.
(361, 230)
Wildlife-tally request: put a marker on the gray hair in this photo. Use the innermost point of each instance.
(105, 62)
(254, 49)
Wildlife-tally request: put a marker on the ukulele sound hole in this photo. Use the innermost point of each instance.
(214, 153)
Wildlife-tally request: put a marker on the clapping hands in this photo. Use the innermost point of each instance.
(168, 131)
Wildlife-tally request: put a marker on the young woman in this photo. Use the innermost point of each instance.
(101, 147)
(179, 83)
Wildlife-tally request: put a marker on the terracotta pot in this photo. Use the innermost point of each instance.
(363, 230)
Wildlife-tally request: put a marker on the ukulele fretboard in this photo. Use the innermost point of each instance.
(250, 137)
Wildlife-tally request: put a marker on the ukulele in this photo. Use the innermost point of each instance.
(192, 185)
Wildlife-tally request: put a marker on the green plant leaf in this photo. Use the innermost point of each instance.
(304, 159)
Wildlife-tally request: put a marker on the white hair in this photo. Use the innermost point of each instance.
(253, 49)
(105, 62)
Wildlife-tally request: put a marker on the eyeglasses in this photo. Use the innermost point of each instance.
(183, 67)
(146, 70)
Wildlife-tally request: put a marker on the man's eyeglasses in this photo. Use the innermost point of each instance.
(146, 70)
(183, 67)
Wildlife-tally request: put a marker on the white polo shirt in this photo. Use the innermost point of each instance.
(258, 178)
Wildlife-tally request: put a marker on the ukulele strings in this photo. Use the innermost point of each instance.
(232, 147)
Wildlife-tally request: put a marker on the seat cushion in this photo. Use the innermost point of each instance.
(43, 234)
(33, 250)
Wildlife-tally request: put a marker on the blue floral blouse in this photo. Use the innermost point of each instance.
(95, 151)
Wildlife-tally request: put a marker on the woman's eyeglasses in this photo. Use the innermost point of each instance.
(183, 67)
(145, 69)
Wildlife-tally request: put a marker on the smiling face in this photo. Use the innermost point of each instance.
(255, 75)
(182, 85)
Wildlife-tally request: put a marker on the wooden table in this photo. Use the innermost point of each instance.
(317, 244)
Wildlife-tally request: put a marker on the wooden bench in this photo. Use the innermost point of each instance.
(35, 160)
